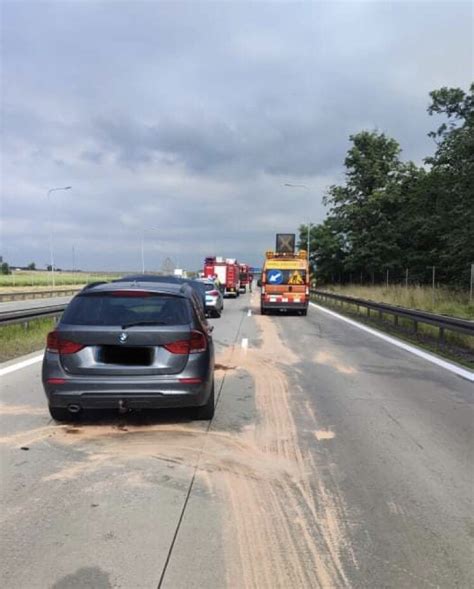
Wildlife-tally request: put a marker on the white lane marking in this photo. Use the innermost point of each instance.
(463, 372)
(245, 343)
(20, 365)
(249, 313)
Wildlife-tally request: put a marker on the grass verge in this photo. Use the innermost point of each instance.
(444, 301)
(18, 340)
(458, 348)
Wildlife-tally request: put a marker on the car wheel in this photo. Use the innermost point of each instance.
(206, 412)
(304, 312)
(263, 311)
(60, 414)
(217, 314)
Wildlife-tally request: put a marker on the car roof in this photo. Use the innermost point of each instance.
(169, 288)
(158, 279)
(170, 279)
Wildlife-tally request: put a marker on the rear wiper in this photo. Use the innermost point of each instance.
(143, 323)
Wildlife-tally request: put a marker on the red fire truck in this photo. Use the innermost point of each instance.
(227, 271)
(244, 277)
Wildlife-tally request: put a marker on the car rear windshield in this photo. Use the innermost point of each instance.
(209, 286)
(124, 309)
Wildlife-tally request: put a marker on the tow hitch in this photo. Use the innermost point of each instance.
(122, 406)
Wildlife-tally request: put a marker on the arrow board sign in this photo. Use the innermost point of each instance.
(274, 277)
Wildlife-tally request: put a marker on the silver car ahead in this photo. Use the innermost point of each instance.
(130, 345)
(214, 297)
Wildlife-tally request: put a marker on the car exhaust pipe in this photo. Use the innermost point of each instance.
(74, 408)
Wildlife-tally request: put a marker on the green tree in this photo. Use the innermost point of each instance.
(32, 266)
(451, 181)
(327, 250)
(5, 268)
(392, 215)
(364, 209)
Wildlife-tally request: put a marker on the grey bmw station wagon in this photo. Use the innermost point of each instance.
(130, 345)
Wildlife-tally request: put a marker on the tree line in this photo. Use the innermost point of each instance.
(394, 216)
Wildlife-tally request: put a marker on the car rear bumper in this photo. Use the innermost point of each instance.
(93, 395)
(213, 304)
(231, 292)
(284, 306)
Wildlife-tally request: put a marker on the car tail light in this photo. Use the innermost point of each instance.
(198, 342)
(178, 347)
(56, 381)
(307, 291)
(54, 343)
(213, 293)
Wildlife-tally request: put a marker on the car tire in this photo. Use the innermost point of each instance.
(304, 312)
(61, 414)
(217, 314)
(263, 311)
(206, 412)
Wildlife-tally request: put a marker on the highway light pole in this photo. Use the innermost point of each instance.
(51, 249)
(308, 246)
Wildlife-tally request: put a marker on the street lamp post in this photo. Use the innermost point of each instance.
(288, 185)
(51, 249)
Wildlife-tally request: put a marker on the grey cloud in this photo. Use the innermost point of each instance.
(189, 117)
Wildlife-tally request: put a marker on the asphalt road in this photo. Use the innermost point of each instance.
(334, 460)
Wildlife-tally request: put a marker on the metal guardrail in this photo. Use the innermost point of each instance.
(33, 294)
(25, 315)
(442, 322)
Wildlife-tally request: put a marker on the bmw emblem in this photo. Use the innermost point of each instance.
(123, 337)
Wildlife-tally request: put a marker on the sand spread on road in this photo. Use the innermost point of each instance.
(22, 410)
(330, 358)
(286, 530)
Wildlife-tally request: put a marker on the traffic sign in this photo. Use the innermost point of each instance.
(285, 243)
(274, 276)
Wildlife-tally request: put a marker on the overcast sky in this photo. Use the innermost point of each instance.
(182, 121)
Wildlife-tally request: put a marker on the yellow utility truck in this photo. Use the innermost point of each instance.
(285, 278)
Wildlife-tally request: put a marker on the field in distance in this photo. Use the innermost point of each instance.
(42, 279)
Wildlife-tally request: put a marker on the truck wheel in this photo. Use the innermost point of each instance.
(206, 412)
